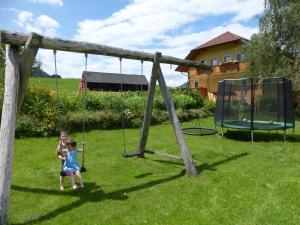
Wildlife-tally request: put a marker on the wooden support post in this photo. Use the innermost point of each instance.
(187, 159)
(8, 125)
(17, 73)
(30, 50)
(149, 105)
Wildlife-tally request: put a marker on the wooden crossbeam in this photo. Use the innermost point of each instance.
(14, 38)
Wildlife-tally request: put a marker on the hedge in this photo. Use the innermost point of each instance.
(43, 113)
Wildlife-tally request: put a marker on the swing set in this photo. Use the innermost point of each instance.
(18, 71)
(58, 116)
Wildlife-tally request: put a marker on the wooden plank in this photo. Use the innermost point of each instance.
(15, 38)
(149, 105)
(172, 157)
(30, 50)
(187, 159)
(8, 124)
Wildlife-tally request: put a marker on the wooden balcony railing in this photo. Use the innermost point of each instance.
(228, 67)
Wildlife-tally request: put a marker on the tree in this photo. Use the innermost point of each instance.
(37, 65)
(275, 50)
(2, 61)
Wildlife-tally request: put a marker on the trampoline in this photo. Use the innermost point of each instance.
(255, 104)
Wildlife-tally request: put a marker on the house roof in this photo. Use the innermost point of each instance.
(221, 39)
(114, 78)
(226, 37)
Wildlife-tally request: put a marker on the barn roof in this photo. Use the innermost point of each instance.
(114, 78)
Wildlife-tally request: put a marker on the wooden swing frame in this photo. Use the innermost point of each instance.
(18, 70)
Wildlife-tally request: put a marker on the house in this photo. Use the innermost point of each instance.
(223, 54)
(98, 81)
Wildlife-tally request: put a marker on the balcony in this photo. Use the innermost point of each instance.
(229, 67)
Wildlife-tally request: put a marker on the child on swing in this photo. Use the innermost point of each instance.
(71, 166)
(60, 154)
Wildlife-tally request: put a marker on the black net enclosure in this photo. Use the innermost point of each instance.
(255, 104)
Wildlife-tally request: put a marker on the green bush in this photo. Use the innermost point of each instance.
(39, 103)
(28, 126)
(39, 113)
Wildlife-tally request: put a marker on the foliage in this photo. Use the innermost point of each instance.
(42, 109)
(2, 61)
(37, 65)
(39, 103)
(275, 50)
(29, 126)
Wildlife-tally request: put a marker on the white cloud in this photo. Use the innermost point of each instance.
(46, 21)
(144, 22)
(50, 2)
(42, 24)
(10, 10)
(23, 18)
(153, 25)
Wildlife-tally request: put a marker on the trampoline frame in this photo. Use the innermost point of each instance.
(253, 124)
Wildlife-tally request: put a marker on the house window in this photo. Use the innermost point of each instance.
(227, 58)
(196, 84)
(240, 57)
(213, 61)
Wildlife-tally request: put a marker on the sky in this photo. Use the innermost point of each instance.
(172, 27)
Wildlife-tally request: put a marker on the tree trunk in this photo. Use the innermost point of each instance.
(8, 124)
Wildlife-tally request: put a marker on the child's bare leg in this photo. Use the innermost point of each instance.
(61, 182)
(80, 179)
(72, 181)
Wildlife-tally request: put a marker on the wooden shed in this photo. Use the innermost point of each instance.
(99, 81)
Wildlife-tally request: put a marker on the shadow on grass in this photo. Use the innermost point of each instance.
(176, 163)
(142, 175)
(211, 166)
(259, 136)
(91, 193)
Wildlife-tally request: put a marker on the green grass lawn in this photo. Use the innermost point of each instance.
(66, 85)
(240, 182)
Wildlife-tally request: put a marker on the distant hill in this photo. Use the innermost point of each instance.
(42, 73)
(183, 86)
(66, 85)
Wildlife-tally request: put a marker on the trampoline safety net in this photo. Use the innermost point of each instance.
(255, 104)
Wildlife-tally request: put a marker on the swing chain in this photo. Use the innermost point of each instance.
(57, 93)
(122, 108)
(84, 113)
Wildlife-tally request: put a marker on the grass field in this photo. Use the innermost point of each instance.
(66, 85)
(240, 182)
